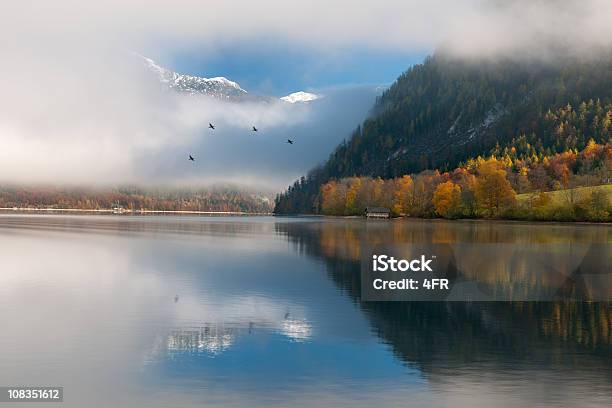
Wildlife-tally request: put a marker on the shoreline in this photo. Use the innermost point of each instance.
(110, 211)
(106, 211)
(445, 219)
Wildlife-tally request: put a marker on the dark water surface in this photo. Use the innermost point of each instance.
(258, 312)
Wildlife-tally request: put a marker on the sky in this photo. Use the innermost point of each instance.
(75, 107)
(280, 70)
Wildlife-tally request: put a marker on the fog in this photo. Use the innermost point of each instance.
(234, 153)
(75, 106)
(91, 122)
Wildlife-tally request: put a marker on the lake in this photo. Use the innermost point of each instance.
(165, 311)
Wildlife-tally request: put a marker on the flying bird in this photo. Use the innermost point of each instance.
(289, 141)
(254, 129)
(211, 126)
(191, 158)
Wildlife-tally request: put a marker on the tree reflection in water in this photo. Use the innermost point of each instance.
(440, 336)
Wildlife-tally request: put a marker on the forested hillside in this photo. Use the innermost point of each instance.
(447, 110)
(506, 186)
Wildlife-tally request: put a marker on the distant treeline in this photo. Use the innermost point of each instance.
(488, 187)
(133, 198)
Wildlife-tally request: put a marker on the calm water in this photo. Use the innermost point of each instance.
(181, 311)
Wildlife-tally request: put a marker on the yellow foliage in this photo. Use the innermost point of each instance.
(493, 191)
(447, 199)
(401, 200)
(333, 198)
(351, 195)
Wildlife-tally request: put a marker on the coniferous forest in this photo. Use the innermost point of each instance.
(566, 186)
(447, 111)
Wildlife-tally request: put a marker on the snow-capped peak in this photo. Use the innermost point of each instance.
(220, 87)
(300, 96)
(226, 81)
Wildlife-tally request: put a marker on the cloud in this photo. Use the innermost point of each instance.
(74, 108)
(394, 24)
(235, 154)
(107, 120)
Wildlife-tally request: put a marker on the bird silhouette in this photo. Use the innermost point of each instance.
(191, 158)
(254, 129)
(211, 126)
(289, 141)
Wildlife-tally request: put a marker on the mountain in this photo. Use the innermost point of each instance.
(449, 109)
(300, 96)
(218, 87)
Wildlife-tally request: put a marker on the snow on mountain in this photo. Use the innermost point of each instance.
(300, 97)
(219, 87)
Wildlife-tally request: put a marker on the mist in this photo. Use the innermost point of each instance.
(76, 108)
(234, 154)
(90, 122)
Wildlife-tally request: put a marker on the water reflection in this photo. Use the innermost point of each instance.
(214, 339)
(211, 339)
(442, 336)
(270, 313)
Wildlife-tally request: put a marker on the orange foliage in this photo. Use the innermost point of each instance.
(493, 191)
(447, 199)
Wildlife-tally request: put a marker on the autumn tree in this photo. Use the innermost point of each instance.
(402, 196)
(467, 182)
(493, 191)
(522, 180)
(424, 185)
(333, 198)
(561, 167)
(352, 206)
(447, 199)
